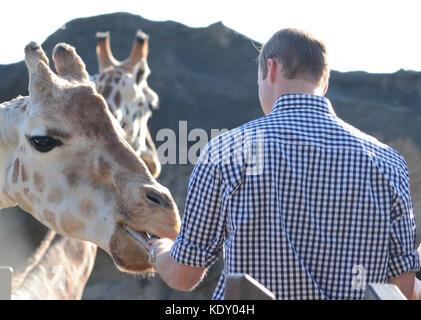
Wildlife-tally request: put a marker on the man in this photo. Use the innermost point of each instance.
(302, 201)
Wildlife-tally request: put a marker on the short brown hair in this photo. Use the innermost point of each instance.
(299, 53)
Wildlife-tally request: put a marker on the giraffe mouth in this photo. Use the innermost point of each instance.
(140, 238)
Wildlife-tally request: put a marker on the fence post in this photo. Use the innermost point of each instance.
(6, 274)
(383, 291)
(240, 286)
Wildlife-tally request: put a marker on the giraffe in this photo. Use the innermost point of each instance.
(50, 254)
(139, 113)
(59, 270)
(124, 86)
(65, 160)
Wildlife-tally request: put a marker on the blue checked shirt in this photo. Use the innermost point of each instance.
(305, 203)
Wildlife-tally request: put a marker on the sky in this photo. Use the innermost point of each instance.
(368, 35)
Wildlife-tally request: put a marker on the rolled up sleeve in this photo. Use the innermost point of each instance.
(202, 230)
(403, 257)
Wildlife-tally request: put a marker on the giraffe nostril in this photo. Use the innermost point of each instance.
(153, 199)
(158, 199)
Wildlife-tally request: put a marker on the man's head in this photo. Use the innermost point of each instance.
(292, 61)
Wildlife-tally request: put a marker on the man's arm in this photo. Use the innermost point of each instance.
(182, 264)
(176, 275)
(404, 260)
(416, 295)
(405, 283)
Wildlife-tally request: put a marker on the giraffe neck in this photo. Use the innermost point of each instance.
(59, 270)
(34, 260)
(11, 115)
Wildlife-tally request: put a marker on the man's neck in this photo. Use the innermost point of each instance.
(299, 86)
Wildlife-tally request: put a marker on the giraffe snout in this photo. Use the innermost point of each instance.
(164, 219)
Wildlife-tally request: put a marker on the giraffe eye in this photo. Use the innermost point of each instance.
(44, 143)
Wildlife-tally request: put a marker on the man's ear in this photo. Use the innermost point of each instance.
(272, 66)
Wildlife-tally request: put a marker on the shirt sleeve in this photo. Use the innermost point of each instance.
(402, 254)
(202, 230)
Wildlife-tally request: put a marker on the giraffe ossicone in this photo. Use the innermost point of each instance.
(64, 159)
(129, 97)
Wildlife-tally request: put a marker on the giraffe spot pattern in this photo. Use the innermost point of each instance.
(87, 207)
(24, 174)
(107, 91)
(15, 171)
(101, 78)
(117, 98)
(70, 224)
(50, 217)
(39, 182)
(75, 251)
(28, 195)
(55, 196)
(72, 176)
(103, 170)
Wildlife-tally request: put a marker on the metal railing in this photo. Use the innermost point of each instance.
(383, 291)
(240, 286)
(6, 274)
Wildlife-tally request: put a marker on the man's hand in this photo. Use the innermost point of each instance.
(153, 244)
(178, 276)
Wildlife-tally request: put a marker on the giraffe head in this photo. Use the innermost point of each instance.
(124, 85)
(65, 160)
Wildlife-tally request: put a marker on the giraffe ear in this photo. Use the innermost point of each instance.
(139, 51)
(34, 54)
(40, 75)
(103, 51)
(42, 79)
(68, 63)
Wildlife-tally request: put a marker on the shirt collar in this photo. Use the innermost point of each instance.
(302, 101)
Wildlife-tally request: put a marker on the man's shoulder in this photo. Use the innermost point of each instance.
(381, 152)
(246, 128)
(231, 147)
